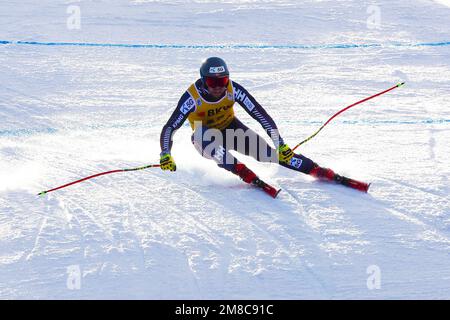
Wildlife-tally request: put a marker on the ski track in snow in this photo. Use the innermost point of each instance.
(200, 233)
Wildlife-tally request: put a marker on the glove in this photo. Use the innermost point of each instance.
(167, 163)
(285, 154)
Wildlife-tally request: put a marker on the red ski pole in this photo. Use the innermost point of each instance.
(97, 175)
(346, 108)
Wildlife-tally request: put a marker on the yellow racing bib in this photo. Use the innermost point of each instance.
(217, 114)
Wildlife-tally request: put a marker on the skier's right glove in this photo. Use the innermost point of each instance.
(167, 163)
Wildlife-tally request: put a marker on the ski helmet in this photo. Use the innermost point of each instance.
(214, 67)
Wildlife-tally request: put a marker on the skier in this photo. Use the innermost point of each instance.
(208, 105)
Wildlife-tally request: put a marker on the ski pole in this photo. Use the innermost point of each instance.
(97, 175)
(346, 108)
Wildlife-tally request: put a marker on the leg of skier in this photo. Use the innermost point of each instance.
(265, 153)
(219, 151)
(254, 145)
(211, 148)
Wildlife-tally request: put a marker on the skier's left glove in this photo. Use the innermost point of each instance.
(285, 154)
(167, 162)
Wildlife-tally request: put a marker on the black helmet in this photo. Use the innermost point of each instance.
(214, 67)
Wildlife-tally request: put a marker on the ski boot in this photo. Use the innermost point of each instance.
(326, 174)
(250, 177)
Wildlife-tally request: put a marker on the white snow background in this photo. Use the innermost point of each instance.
(69, 111)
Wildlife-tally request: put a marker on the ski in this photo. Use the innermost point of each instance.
(271, 191)
(351, 183)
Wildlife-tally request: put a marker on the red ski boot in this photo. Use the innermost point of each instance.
(326, 174)
(249, 176)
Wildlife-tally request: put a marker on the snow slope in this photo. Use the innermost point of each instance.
(71, 111)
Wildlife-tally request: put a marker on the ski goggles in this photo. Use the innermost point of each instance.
(213, 82)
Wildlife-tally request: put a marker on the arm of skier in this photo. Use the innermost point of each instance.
(257, 112)
(185, 106)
